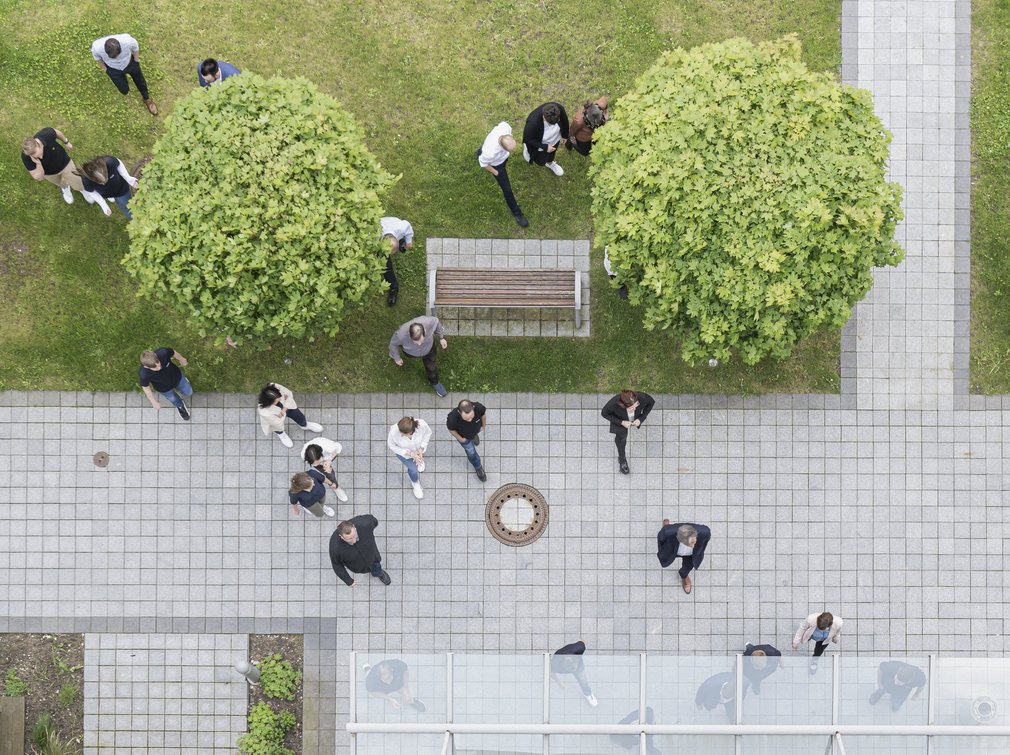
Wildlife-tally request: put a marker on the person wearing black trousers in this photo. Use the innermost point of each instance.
(492, 156)
(353, 548)
(568, 660)
(626, 410)
(546, 127)
(686, 542)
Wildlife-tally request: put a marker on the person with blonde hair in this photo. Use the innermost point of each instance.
(107, 178)
(44, 157)
(408, 440)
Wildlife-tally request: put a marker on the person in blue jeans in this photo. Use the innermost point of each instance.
(107, 178)
(408, 440)
(159, 373)
(465, 423)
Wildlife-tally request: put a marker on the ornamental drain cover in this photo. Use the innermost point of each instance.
(101, 459)
(516, 514)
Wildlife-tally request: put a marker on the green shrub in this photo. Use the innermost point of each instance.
(47, 740)
(14, 685)
(279, 678)
(266, 731)
(743, 198)
(259, 212)
(68, 694)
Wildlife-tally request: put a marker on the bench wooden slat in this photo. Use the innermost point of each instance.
(12, 726)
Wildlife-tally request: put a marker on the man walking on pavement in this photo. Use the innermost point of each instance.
(417, 339)
(686, 542)
(465, 423)
(626, 410)
(353, 548)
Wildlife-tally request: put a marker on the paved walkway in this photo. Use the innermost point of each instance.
(884, 504)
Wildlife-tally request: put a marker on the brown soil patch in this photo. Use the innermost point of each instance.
(47, 662)
(16, 265)
(291, 649)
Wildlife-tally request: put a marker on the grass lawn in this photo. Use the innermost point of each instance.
(426, 80)
(990, 197)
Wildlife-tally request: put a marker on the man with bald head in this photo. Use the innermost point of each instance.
(492, 156)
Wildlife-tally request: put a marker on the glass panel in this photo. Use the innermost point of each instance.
(673, 685)
(797, 692)
(611, 680)
(498, 688)
(400, 744)
(388, 689)
(784, 745)
(590, 744)
(693, 744)
(499, 744)
(884, 745)
(971, 745)
(972, 691)
(883, 690)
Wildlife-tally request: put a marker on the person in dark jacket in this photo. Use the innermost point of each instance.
(389, 680)
(760, 662)
(568, 660)
(626, 410)
(107, 178)
(353, 548)
(632, 741)
(899, 680)
(308, 492)
(545, 129)
(686, 542)
(717, 690)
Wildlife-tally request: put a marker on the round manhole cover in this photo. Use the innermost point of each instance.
(516, 514)
(101, 459)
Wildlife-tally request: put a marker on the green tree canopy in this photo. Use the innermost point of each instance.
(743, 198)
(259, 211)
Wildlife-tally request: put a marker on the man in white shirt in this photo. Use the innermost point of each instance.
(119, 55)
(400, 235)
(492, 156)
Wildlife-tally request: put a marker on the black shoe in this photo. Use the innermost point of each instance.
(521, 220)
(625, 469)
(391, 299)
(184, 412)
(418, 705)
(476, 440)
(481, 474)
(623, 292)
(384, 578)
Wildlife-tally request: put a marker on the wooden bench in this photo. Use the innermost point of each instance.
(470, 287)
(12, 726)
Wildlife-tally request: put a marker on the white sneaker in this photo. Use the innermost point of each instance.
(68, 196)
(526, 153)
(313, 427)
(341, 495)
(420, 466)
(418, 492)
(557, 169)
(591, 699)
(328, 511)
(285, 439)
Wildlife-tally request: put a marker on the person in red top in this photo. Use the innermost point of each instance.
(590, 117)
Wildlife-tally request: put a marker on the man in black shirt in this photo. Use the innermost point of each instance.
(158, 372)
(45, 158)
(352, 547)
(465, 423)
(568, 660)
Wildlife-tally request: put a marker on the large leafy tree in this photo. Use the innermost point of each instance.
(259, 212)
(743, 198)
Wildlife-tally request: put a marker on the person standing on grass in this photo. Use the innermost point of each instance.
(320, 454)
(307, 492)
(590, 117)
(568, 660)
(545, 128)
(107, 178)
(390, 681)
(408, 440)
(276, 403)
(353, 548)
(686, 542)
(157, 371)
(44, 157)
(626, 410)
(400, 236)
(492, 156)
(465, 423)
(417, 339)
(211, 71)
(119, 55)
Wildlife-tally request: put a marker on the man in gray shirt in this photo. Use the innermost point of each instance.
(417, 339)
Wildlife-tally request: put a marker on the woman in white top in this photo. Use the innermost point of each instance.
(408, 439)
(275, 404)
(320, 454)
